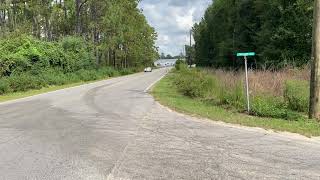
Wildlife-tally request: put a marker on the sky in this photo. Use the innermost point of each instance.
(173, 19)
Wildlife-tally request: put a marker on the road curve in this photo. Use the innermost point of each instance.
(113, 129)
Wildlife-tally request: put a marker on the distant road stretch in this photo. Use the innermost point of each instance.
(114, 129)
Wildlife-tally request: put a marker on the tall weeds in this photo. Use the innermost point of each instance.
(262, 82)
(279, 94)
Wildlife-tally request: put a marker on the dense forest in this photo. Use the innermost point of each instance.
(68, 36)
(117, 30)
(279, 31)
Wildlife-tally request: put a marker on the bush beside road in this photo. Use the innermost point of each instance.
(28, 64)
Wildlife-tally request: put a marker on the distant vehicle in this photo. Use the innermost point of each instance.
(148, 69)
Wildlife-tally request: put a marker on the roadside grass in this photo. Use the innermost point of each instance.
(19, 95)
(167, 94)
(33, 92)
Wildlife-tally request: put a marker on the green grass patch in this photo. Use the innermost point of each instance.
(67, 84)
(168, 94)
(18, 95)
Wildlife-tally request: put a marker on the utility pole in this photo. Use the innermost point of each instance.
(190, 38)
(314, 111)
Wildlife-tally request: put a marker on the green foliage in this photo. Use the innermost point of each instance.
(279, 31)
(194, 83)
(125, 71)
(31, 55)
(297, 95)
(25, 82)
(180, 64)
(4, 86)
(78, 54)
(99, 32)
(231, 97)
(51, 77)
(56, 77)
(199, 84)
(269, 107)
(275, 107)
(61, 42)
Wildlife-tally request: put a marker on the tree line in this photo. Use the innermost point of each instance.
(116, 30)
(279, 31)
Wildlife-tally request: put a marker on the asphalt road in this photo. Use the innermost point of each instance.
(113, 129)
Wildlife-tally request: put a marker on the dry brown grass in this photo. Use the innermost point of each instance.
(262, 82)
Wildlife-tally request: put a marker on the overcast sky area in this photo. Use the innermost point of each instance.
(173, 20)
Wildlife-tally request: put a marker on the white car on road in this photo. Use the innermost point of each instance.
(148, 69)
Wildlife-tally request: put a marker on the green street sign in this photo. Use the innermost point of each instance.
(246, 54)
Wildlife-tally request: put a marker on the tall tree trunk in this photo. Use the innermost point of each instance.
(114, 59)
(78, 7)
(94, 17)
(47, 28)
(235, 17)
(78, 12)
(109, 56)
(106, 56)
(95, 32)
(314, 111)
(64, 7)
(14, 11)
(2, 17)
(126, 58)
(9, 16)
(34, 26)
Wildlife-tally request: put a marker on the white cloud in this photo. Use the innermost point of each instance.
(173, 20)
(185, 21)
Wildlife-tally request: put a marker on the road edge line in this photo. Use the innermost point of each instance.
(155, 82)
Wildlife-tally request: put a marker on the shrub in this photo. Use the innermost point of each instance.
(180, 64)
(233, 97)
(87, 75)
(27, 63)
(49, 77)
(54, 77)
(78, 54)
(295, 116)
(125, 71)
(25, 82)
(269, 107)
(195, 84)
(28, 54)
(23, 54)
(112, 72)
(4, 86)
(226, 88)
(297, 95)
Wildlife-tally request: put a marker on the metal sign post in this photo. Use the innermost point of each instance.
(245, 55)
(247, 84)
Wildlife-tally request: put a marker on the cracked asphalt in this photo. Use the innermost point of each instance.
(113, 129)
